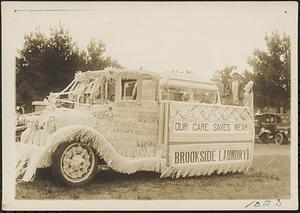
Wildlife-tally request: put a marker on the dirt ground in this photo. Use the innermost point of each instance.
(268, 178)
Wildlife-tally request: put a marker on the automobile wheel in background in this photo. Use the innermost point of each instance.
(74, 164)
(279, 138)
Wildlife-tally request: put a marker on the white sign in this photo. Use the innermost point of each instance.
(210, 128)
(196, 154)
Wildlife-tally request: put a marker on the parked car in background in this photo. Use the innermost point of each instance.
(272, 126)
(38, 106)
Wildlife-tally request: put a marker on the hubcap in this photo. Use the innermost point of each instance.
(77, 162)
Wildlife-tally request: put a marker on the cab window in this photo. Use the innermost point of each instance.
(205, 96)
(172, 94)
(129, 89)
(148, 90)
(189, 95)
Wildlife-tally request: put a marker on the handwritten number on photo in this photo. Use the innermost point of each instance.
(264, 203)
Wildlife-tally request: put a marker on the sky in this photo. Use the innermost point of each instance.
(200, 37)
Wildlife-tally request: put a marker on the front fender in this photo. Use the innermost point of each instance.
(39, 157)
(30, 156)
(84, 134)
(265, 131)
(103, 148)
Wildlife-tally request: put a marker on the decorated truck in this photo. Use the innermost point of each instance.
(132, 120)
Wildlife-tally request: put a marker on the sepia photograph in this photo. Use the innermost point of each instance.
(149, 105)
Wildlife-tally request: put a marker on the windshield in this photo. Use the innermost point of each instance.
(85, 91)
(91, 91)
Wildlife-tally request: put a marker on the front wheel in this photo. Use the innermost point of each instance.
(74, 163)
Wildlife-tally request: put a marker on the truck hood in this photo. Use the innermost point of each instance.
(53, 119)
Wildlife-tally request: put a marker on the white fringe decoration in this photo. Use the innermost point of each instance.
(27, 159)
(32, 157)
(204, 169)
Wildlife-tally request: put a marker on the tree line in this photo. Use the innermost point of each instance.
(270, 72)
(48, 62)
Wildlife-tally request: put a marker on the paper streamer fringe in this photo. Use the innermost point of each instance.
(32, 157)
(201, 170)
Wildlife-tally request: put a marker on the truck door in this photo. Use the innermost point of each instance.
(132, 123)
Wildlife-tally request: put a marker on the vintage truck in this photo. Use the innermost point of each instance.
(133, 120)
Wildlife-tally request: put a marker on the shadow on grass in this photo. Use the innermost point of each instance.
(111, 176)
(106, 176)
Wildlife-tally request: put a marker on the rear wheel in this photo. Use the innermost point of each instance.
(74, 163)
(279, 138)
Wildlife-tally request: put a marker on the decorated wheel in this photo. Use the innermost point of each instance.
(279, 138)
(74, 163)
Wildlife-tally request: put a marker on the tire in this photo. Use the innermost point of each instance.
(74, 164)
(279, 138)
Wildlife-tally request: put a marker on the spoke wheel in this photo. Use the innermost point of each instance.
(74, 163)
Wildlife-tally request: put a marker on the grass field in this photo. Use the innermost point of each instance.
(268, 178)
